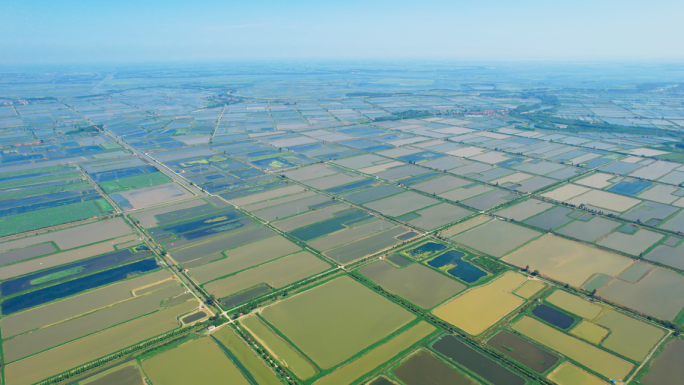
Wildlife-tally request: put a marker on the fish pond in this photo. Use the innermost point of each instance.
(553, 316)
(452, 261)
(523, 351)
(48, 294)
(425, 250)
(422, 368)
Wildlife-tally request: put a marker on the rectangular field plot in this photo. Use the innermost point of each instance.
(523, 210)
(400, 204)
(126, 374)
(479, 308)
(230, 341)
(438, 215)
(567, 261)
(73, 306)
(416, 283)
(47, 337)
(279, 347)
(658, 283)
(569, 374)
(275, 274)
(64, 357)
(592, 357)
(629, 337)
(468, 357)
(508, 237)
(200, 358)
(523, 351)
(421, 368)
(243, 257)
(349, 372)
(666, 368)
(367, 246)
(336, 305)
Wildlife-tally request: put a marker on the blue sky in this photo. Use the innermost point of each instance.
(79, 31)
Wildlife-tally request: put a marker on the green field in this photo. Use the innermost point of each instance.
(134, 182)
(44, 190)
(52, 216)
(334, 321)
(198, 361)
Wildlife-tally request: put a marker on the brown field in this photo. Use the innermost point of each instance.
(567, 261)
(75, 236)
(659, 283)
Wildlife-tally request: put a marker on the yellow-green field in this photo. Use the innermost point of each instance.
(332, 322)
(628, 336)
(590, 332)
(529, 289)
(567, 261)
(198, 361)
(588, 355)
(574, 304)
(481, 307)
(376, 357)
(569, 374)
(279, 347)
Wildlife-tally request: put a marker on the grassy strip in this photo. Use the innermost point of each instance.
(57, 275)
(40, 179)
(134, 182)
(44, 190)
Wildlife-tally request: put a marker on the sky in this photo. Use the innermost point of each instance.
(122, 31)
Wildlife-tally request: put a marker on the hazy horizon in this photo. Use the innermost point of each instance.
(39, 32)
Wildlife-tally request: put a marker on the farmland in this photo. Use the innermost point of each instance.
(477, 309)
(401, 224)
(205, 360)
(329, 304)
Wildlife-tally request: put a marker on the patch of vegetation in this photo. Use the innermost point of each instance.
(103, 205)
(134, 182)
(408, 114)
(57, 275)
(82, 130)
(490, 265)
